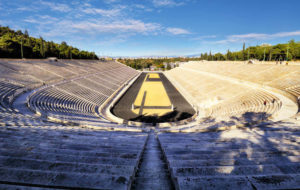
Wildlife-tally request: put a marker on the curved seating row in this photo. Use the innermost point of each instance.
(223, 99)
(295, 90)
(8, 115)
(54, 100)
(45, 71)
(78, 99)
(252, 101)
(75, 100)
(277, 76)
(6, 90)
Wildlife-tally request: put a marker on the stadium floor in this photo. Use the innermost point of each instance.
(150, 99)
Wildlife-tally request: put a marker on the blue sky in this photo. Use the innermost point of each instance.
(155, 27)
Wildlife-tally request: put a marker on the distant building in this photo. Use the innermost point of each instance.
(52, 59)
(153, 68)
(172, 65)
(265, 45)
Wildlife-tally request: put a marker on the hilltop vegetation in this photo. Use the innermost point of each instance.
(147, 63)
(16, 44)
(288, 51)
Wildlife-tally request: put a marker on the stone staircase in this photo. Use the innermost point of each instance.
(153, 172)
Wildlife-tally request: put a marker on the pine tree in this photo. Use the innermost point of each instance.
(22, 56)
(270, 55)
(244, 51)
(168, 66)
(26, 34)
(42, 49)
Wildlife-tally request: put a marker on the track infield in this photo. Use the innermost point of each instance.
(152, 99)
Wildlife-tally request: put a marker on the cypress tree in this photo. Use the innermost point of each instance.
(244, 51)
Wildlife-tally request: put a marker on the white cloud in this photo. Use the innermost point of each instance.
(42, 20)
(248, 36)
(24, 9)
(162, 3)
(257, 36)
(142, 7)
(204, 37)
(28, 7)
(103, 12)
(287, 34)
(56, 6)
(177, 31)
(31, 20)
(129, 25)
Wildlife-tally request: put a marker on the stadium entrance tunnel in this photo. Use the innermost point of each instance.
(152, 99)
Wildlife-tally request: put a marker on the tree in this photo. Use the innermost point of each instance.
(22, 55)
(291, 50)
(42, 48)
(244, 46)
(270, 54)
(219, 57)
(210, 56)
(26, 35)
(168, 66)
(229, 55)
(69, 53)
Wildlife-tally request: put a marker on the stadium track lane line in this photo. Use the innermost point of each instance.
(154, 107)
(143, 103)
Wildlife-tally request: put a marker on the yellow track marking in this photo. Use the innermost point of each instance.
(158, 112)
(154, 76)
(155, 95)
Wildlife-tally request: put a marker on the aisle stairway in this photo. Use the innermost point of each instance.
(153, 172)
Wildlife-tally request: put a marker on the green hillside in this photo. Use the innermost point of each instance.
(18, 44)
